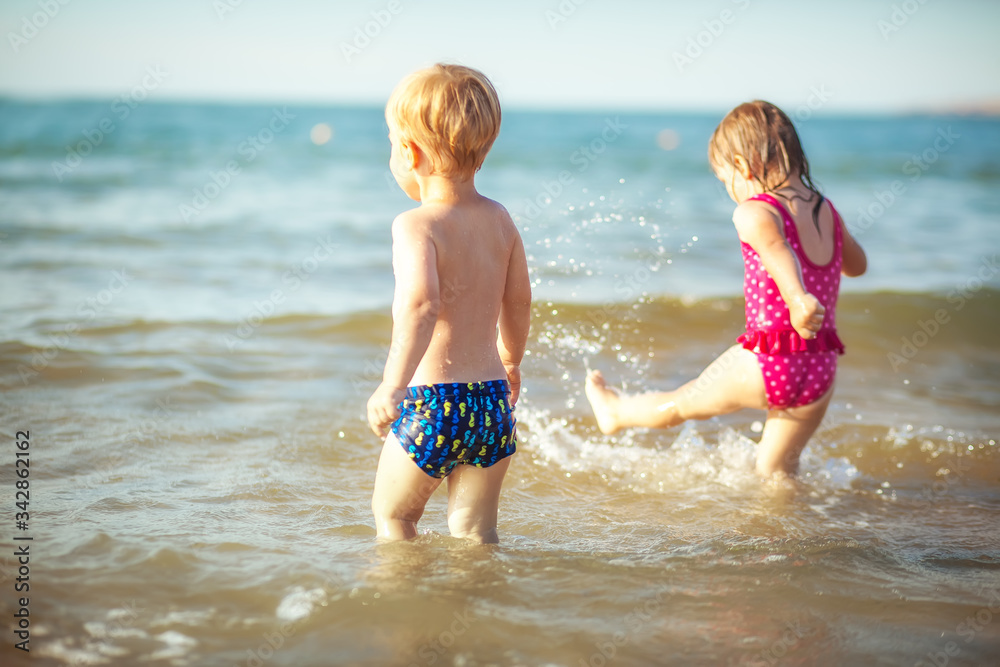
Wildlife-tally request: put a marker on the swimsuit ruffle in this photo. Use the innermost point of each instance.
(786, 341)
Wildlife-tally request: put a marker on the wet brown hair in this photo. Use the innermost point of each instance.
(767, 140)
(452, 112)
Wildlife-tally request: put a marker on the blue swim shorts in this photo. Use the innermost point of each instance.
(443, 425)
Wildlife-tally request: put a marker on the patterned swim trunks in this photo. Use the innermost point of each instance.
(443, 425)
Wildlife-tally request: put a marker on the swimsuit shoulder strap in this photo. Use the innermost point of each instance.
(791, 233)
(838, 234)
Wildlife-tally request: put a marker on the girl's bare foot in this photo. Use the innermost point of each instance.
(604, 401)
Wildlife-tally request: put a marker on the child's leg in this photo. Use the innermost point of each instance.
(786, 433)
(473, 501)
(401, 492)
(731, 382)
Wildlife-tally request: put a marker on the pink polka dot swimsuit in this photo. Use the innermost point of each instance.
(796, 371)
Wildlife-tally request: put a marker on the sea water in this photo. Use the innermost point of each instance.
(196, 308)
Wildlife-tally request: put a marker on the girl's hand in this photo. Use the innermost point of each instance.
(383, 408)
(806, 314)
(514, 380)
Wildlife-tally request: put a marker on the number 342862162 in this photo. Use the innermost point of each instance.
(21, 466)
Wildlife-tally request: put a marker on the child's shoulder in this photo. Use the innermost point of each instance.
(435, 218)
(499, 211)
(410, 222)
(754, 216)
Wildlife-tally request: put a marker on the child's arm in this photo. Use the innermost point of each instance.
(414, 313)
(515, 317)
(759, 228)
(855, 262)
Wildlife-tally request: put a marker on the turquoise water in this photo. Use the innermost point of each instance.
(626, 200)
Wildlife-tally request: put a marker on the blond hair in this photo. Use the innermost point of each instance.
(764, 135)
(452, 112)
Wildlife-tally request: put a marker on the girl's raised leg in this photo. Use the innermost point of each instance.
(401, 492)
(474, 499)
(732, 382)
(786, 433)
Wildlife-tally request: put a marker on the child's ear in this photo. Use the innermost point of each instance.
(742, 167)
(411, 154)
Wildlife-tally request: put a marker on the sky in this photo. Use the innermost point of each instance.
(855, 56)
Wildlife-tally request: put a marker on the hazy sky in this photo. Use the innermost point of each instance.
(850, 55)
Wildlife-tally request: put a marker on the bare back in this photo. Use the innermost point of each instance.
(817, 240)
(473, 244)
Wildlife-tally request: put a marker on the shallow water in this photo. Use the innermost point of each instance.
(201, 469)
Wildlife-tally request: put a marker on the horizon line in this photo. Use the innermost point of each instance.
(986, 109)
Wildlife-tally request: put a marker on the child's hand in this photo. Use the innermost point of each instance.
(383, 408)
(806, 314)
(514, 380)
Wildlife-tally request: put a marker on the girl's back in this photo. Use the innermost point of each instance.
(816, 234)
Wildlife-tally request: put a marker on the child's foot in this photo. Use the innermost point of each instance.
(604, 402)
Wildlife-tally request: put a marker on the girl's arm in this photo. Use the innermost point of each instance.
(515, 317)
(855, 261)
(415, 305)
(760, 228)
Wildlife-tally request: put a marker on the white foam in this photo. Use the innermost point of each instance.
(300, 603)
(689, 461)
(60, 649)
(99, 630)
(177, 645)
(836, 473)
(194, 617)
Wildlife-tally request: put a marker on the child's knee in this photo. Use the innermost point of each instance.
(388, 510)
(471, 525)
(459, 523)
